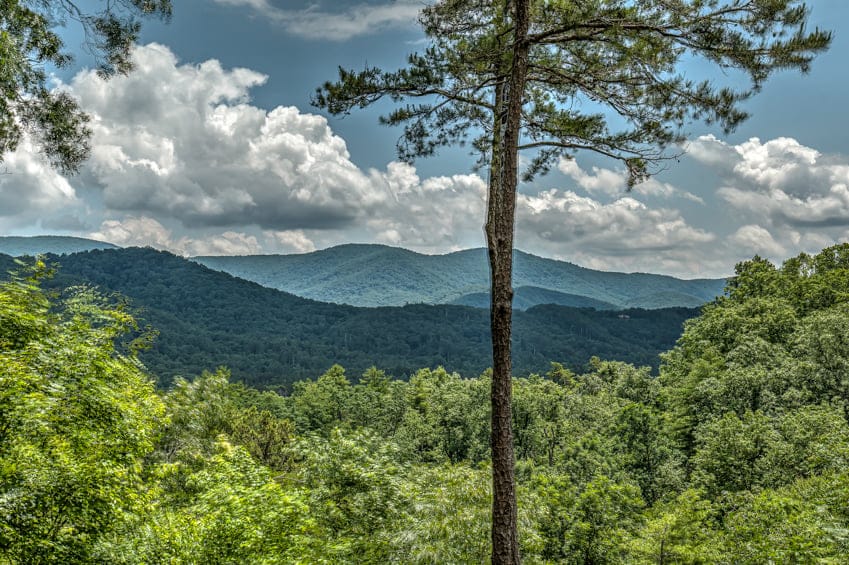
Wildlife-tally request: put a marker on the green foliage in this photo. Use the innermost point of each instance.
(737, 453)
(446, 418)
(733, 452)
(230, 510)
(322, 404)
(679, 531)
(589, 523)
(805, 522)
(199, 411)
(451, 517)
(356, 493)
(77, 417)
(763, 348)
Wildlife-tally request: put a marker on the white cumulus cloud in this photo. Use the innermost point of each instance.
(780, 182)
(144, 231)
(183, 141)
(753, 239)
(600, 180)
(624, 234)
(291, 241)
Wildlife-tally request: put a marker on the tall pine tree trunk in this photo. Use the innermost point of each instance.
(500, 222)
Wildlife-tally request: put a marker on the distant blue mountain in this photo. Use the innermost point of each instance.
(56, 244)
(378, 275)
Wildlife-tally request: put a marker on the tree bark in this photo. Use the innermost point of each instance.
(500, 223)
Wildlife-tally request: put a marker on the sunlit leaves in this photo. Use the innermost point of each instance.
(76, 419)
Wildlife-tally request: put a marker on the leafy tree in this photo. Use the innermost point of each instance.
(378, 403)
(539, 418)
(445, 418)
(776, 343)
(680, 531)
(230, 509)
(356, 490)
(647, 454)
(265, 436)
(323, 404)
(199, 410)
(733, 452)
(804, 522)
(450, 525)
(514, 74)
(588, 525)
(78, 415)
(29, 41)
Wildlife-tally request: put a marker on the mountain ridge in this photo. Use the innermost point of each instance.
(380, 275)
(15, 245)
(374, 275)
(207, 318)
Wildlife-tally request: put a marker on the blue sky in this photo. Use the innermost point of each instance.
(211, 147)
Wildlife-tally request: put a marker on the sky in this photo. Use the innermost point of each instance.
(211, 146)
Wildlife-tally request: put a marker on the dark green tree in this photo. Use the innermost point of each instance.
(557, 77)
(29, 41)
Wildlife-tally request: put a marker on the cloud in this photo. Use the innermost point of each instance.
(182, 144)
(144, 231)
(182, 160)
(782, 209)
(624, 232)
(615, 182)
(753, 239)
(30, 188)
(182, 141)
(433, 215)
(780, 182)
(291, 241)
(355, 21)
(141, 231)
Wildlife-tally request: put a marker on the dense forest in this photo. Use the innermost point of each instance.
(269, 338)
(736, 453)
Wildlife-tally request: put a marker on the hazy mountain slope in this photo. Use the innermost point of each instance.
(526, 297)
(361, 275)
(663, 298)
(208, 318)
(56, 244)
(376, 275)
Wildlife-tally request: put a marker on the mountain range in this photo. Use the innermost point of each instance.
(378, 275)
(270, 338)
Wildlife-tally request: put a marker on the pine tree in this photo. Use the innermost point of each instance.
(557, 77)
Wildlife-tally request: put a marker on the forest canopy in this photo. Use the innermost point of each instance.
(737, 453)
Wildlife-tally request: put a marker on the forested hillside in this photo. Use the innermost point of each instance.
(737, 453)
(207, 318)
(526, 297)
(377, 275)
